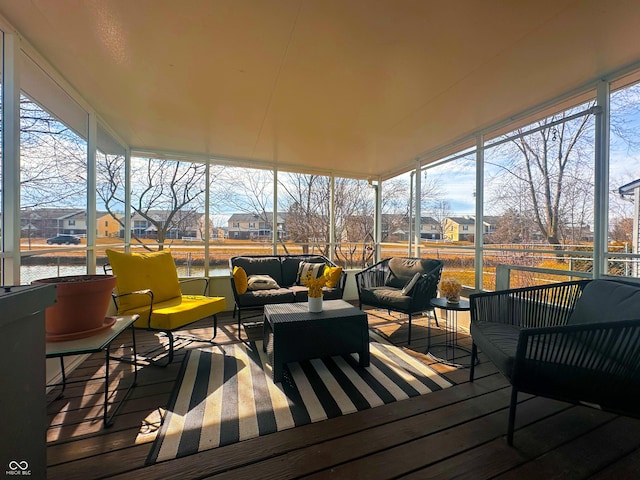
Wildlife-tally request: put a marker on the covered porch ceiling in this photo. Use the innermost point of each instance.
(357, 87)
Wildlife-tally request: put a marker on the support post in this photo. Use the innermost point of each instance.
(601, 177)
(479, 230)
(11, 159)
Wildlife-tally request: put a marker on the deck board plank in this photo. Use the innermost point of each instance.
(458, 431)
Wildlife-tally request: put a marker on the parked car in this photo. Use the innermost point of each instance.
(63, 239)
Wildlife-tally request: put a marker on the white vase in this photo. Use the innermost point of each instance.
(315, 304)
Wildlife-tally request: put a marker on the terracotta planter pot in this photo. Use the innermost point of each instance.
(81, 306)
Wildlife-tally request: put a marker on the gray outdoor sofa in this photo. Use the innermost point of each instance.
(574, 341)
(284, 270)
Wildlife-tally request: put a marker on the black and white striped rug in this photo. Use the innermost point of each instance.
(223, 399)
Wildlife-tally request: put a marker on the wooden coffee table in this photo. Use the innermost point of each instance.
(292, 333)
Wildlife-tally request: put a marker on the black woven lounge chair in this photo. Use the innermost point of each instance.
(577, 342)
(392, 284)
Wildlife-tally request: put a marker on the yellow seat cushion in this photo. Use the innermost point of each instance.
(332, 274)
(240, 280)
(177, 312)
(155, 271)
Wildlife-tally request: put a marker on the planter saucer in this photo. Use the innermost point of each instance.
(63, 337)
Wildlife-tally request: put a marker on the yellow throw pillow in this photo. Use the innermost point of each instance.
(332, 275)
(240, 280)
(139, 271)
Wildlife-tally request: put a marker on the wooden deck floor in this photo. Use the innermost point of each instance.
(458, 432)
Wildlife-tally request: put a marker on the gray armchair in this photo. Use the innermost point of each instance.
(400, 284)
(577, 342)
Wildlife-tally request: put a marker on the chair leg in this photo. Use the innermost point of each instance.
(239, 325)
(409, 339)
(474, 355)
(169, 355)
(235, 307)
(512, 415)
(435, 315)
(170, 359)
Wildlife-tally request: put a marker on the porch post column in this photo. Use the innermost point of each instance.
(207, 214)
(11, 160)
(127, 199)
(601, 177)
(418, 215)
(274, 222)
(377, 221)
(91, 215)
(410, 236)
(332, 217)
(479, 230)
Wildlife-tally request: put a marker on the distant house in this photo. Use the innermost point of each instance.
(184, 223)
(463, 229)
(49, 222)
(357, 228)
(252, 226)
(108, 226)
(218, 233)
(430, 229)
(74, 223)
(489, 223)
(395, 226)
(459, 229)
(576, 233)
(633, 189)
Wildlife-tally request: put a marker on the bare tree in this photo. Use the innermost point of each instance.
(509, 228)
(440, 210)
(167, 194)
(305, 199)
(548, 174)
(622, 230)
(354, 222)
(53, 160)
(247, 191)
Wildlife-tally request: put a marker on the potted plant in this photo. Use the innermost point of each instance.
(81, 306)
(450, 288)
(315, 291)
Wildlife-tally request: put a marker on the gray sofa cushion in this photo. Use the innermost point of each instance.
(302, 293)
(598, 299)
(388, 296)
(499, 341)
(262, 266)
(402, 270)
(290, 267)
(261, 297)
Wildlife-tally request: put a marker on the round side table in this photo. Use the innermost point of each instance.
(450, 344)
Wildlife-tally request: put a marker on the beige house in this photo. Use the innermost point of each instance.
(108, 226)
(251, 226)
(459, 229)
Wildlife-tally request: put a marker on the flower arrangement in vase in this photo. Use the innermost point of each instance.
(315, 291)
(450, 288)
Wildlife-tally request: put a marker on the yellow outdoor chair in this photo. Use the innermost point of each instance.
(147, 284)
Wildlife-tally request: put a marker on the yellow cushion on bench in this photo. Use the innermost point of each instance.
(155, 271)
(240, 280)
(332, 274)
(178, 312)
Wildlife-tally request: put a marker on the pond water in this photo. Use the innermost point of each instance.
(29, 273)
